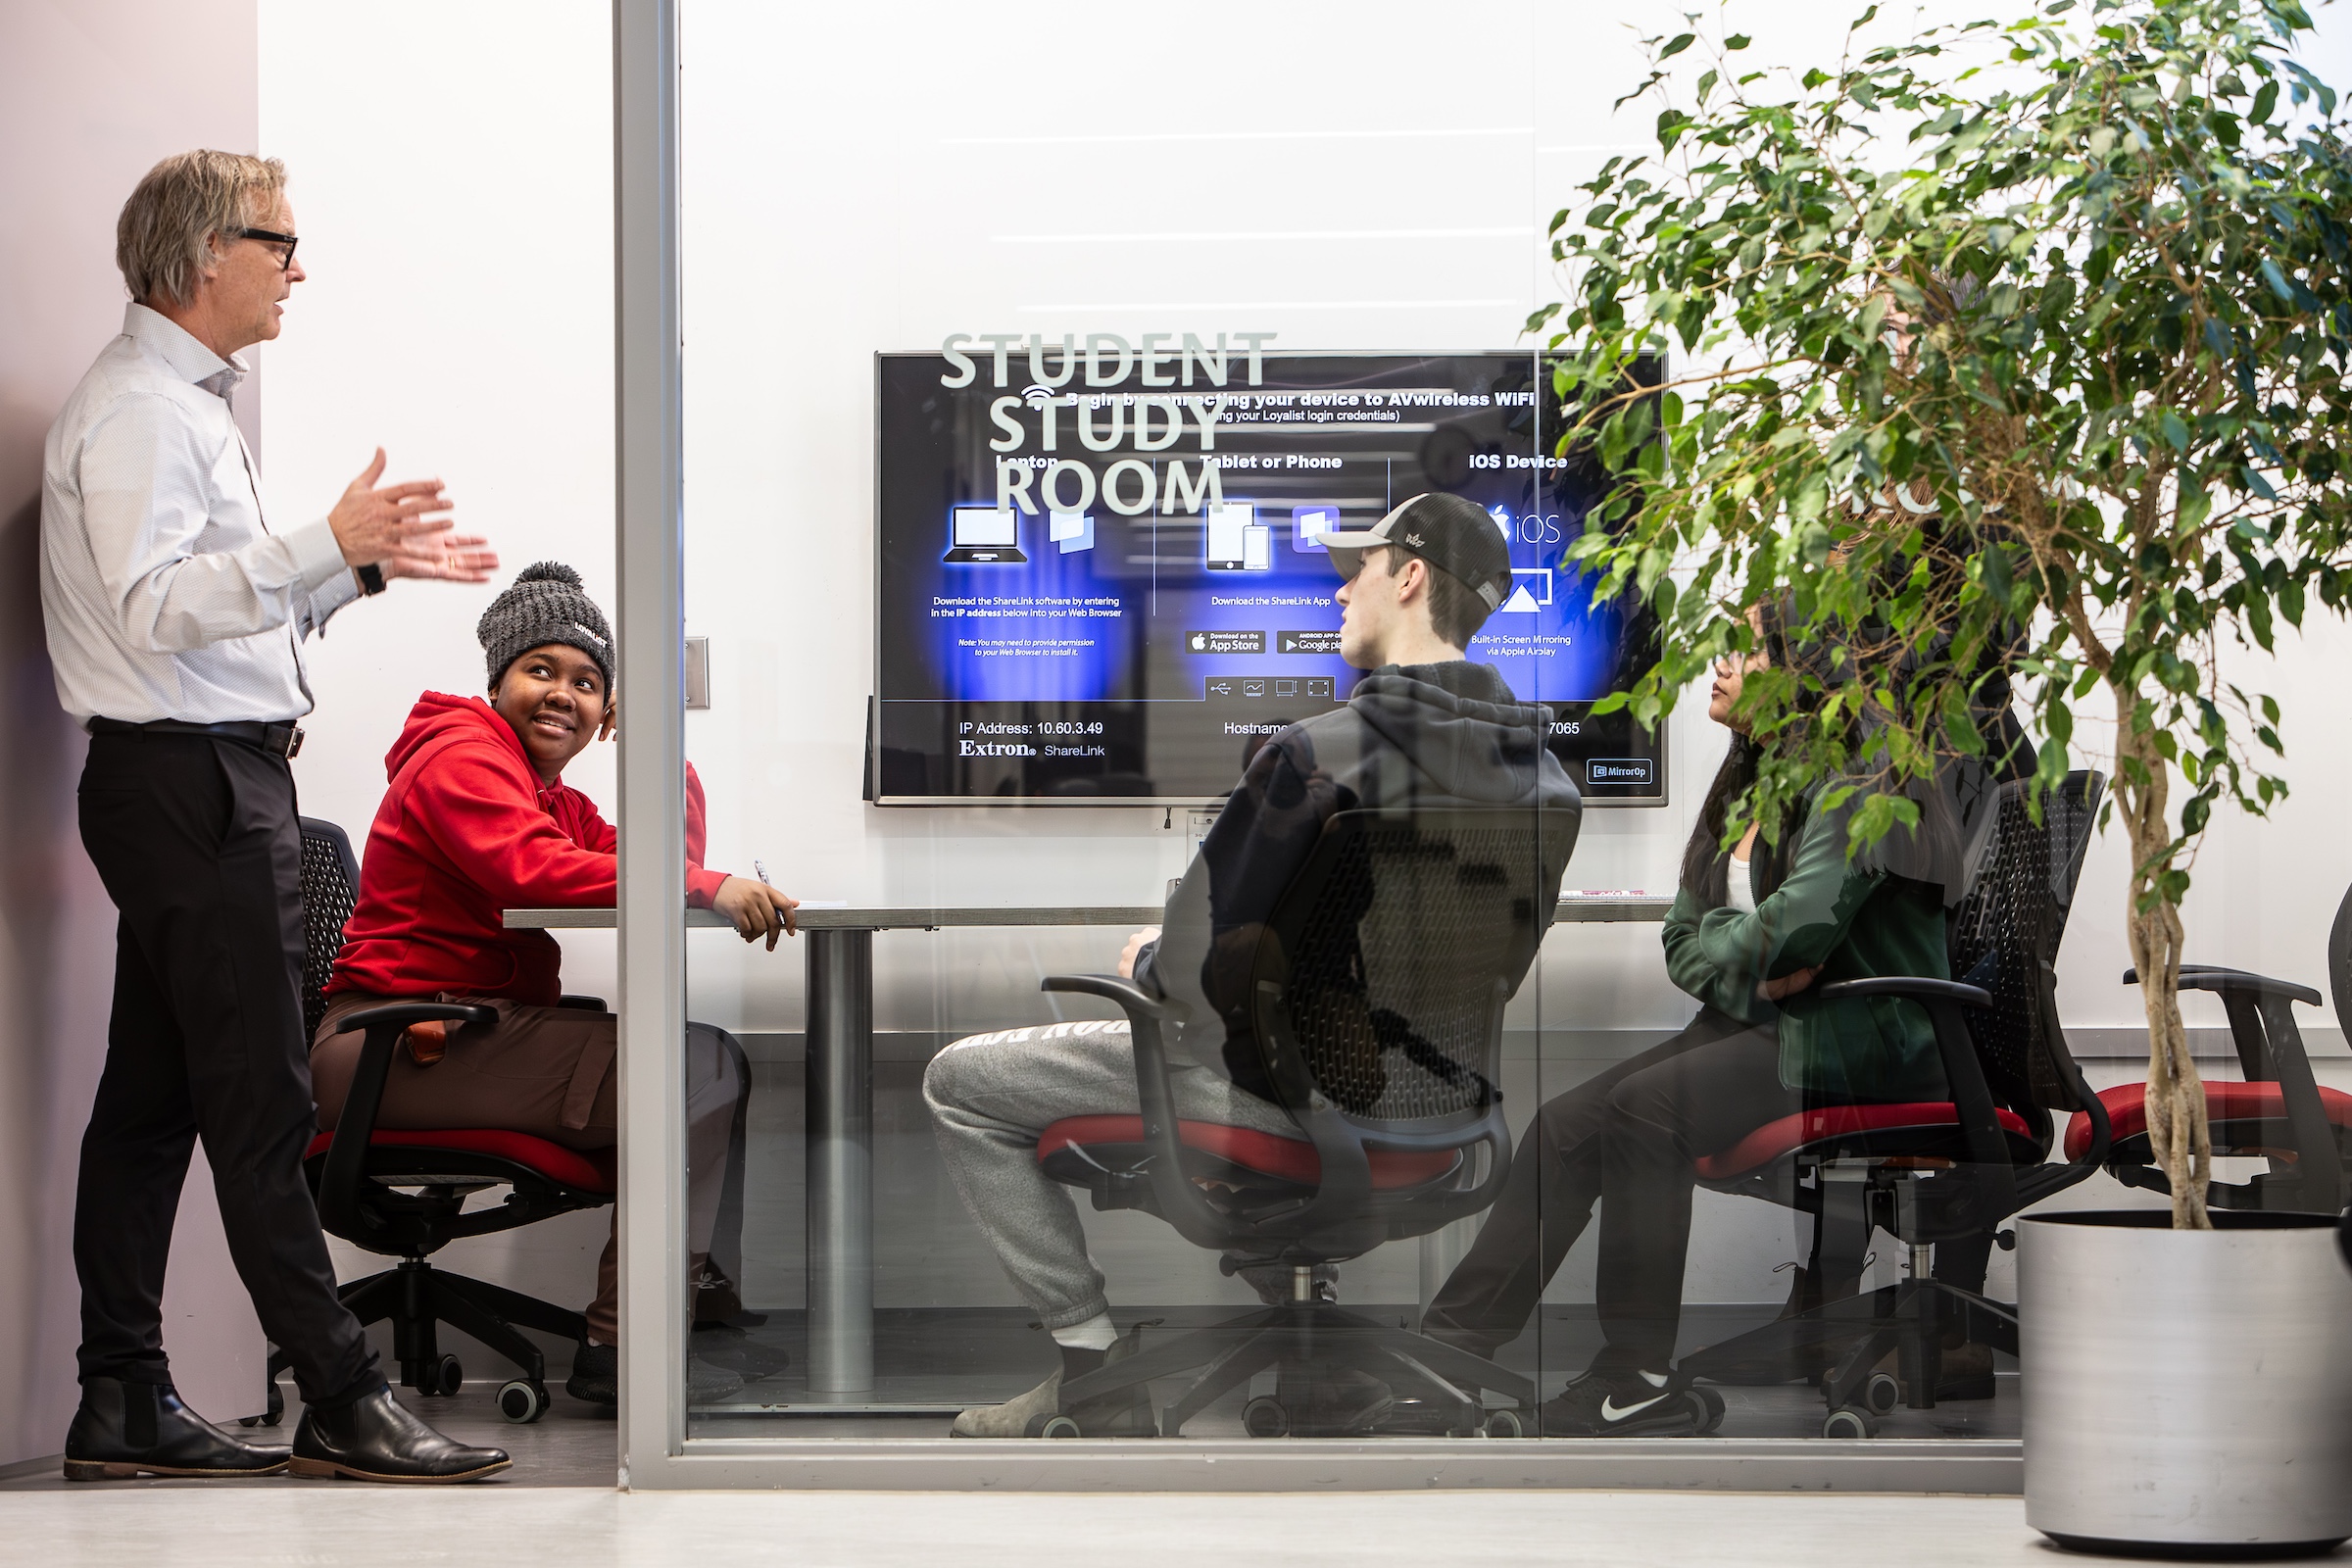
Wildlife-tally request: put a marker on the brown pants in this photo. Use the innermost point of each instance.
(545, 1071)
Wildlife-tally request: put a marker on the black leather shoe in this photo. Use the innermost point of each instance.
(124, 1429)
(375, 1438)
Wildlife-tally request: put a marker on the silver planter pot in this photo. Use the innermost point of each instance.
(2187, 1391)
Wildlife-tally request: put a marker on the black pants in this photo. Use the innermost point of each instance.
(1627, 1139)
(197, 841)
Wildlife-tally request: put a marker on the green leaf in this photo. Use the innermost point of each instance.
(1677, 44)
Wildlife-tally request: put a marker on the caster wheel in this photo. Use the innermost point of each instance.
(1054, 1426)
(271, 1416)
(1264, 1417)
(523, 1402)
(249, 1420)
(1506, 1424)
(1882, 1392)
(1706, 1409)
(1851, 1421)
(444, 1377)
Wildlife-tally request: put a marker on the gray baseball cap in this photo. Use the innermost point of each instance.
(1450, 533)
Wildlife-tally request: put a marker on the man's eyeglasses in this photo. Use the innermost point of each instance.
(286, 257)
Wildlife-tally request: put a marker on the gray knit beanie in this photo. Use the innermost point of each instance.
(544, 605)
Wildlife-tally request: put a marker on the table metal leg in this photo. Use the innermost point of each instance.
(841, 1162)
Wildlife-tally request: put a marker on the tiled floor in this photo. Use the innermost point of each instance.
(246, 1523)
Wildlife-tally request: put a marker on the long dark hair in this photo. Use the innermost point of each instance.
(1706, 863)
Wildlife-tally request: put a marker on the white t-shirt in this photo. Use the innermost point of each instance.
(1742, 891)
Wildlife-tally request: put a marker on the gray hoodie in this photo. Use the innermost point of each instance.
(1419, 735)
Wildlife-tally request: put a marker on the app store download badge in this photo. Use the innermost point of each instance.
(1225, 642)
(1308, 642)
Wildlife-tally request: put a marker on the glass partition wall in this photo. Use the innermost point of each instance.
(982, 450)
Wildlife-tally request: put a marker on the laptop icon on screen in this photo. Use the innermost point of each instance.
(977, 535)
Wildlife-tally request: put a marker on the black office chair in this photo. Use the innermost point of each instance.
(2279, 1114)
(403, 1194)
(1378, 989)
(1936, 1172)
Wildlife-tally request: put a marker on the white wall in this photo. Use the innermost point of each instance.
(91, 94)
(855, 183)
(457, 226)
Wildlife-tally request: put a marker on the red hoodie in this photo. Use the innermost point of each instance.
(465, 832)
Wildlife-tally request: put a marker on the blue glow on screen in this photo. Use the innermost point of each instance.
(1029, 630)
(1080, 624)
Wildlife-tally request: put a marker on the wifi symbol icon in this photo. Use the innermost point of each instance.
(1037, 394)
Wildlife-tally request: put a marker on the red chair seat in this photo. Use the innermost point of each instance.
(565, 1167)
(2127, 1113)
(1290, 1159)
(1775, 1138)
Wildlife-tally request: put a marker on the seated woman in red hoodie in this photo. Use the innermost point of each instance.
(478, 820)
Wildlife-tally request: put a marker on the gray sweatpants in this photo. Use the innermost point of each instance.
(991, 1096)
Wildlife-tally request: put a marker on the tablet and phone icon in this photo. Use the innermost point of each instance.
(1237, 540)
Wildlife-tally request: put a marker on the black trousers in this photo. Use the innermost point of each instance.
(1627, 1139)
(197, 841)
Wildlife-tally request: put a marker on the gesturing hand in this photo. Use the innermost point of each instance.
(404, 531)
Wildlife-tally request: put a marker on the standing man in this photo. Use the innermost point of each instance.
(176, 616)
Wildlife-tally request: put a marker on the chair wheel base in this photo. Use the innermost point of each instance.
(1851, 1421)
(521, 1401)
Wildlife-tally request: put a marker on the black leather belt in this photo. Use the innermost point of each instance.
(278, 740)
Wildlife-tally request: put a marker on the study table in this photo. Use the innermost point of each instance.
(840, 1092)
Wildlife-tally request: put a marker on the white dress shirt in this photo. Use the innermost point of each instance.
(165, 594)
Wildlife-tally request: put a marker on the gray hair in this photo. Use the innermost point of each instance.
(161, 239)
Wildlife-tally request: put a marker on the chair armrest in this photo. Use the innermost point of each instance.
(2235, 981)
(1131, 997)
(1963, 1075)
(347, 1156)
(1912, 988)
(1181, 1203)
(401, 1014)
(2270, 1048)
(583, 1003)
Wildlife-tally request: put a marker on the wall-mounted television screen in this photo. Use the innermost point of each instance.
(1103, 593)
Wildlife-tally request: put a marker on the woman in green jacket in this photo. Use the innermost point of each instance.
(1754, 935)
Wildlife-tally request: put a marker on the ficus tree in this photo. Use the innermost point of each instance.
(2004, 356)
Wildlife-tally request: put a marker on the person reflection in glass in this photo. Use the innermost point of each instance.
(1752, 931)
(1424, 725)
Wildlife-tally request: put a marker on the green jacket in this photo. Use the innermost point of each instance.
(1854, 924)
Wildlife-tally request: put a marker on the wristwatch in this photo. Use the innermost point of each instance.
(372, 578)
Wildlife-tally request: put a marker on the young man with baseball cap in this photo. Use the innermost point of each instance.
(479, 819)
(1424, 726)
